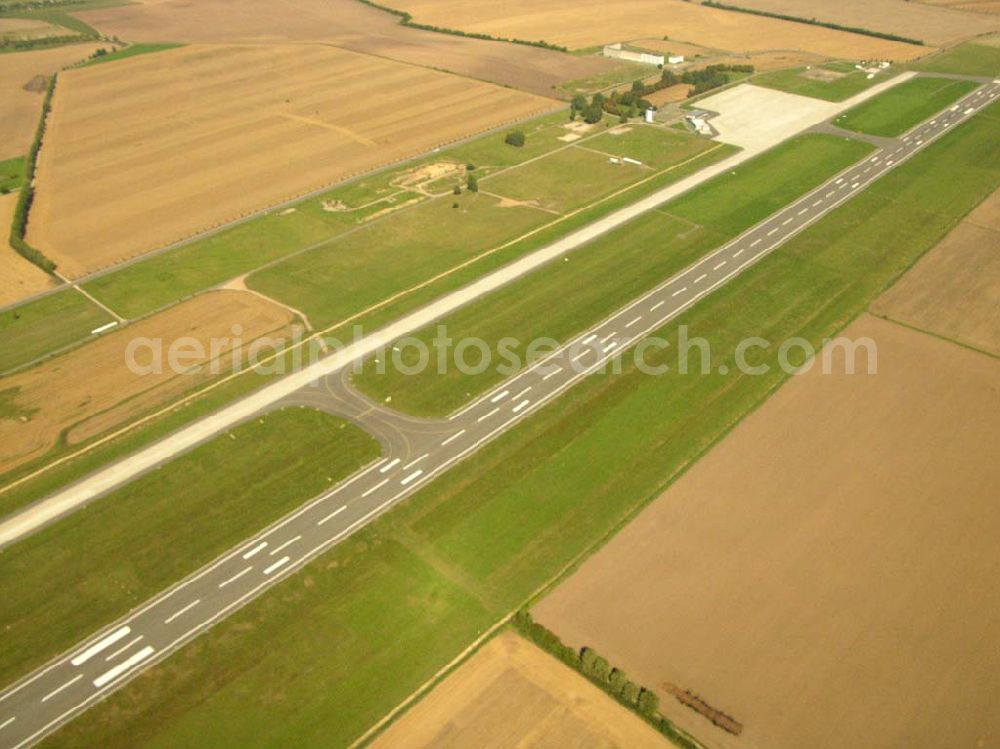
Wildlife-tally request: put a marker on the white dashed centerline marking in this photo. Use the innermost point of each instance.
(773, 232)
(67, 685)
(803, 211)
(520, 406)
(332, 515)
(122, 649)
(484, 417)
(756, 242)
(609, 347)
(100, 645)
(371, 490)
(521, 393)
(235, 577)
(255, 550)
(412, 463)
(122, 667)
(453, 437)
(183, 611)
(412, 477)
(738, 253)
(553, 373)
(657, 306)
(608, 337)
(277, 565)
(580, 355)
(389, 466)
(7, 722)
(701, 278)
(679, 291)
(634, 320)
(285, 545)
(719, 265)
(818, 202)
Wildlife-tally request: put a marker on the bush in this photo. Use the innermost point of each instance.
(630, 693)
(648, 702)
(593, 114)
(457, 190)
(470, 167)
(515, 138)
(617, 680)
(579, 103)
(472, 184)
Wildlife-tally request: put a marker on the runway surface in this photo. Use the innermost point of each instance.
(417, 451)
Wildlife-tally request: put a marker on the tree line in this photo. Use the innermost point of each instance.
(614, 681)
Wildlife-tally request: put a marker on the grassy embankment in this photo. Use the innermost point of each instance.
(132, 50)
(83, 572)
(564, 298)
(893, 112)
(965, 59)
(318, 659)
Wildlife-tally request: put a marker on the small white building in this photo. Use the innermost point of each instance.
(619, 53)
(649, 114)
(675, 59)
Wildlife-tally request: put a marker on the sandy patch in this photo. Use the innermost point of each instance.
(954, 290)
(90, 389)
(20, 109)
(510, 695)
(347, 24)
(135, 149)
(937, 26)
(826, 574)
(589, 23)
(18, 277)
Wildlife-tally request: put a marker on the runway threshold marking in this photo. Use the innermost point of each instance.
(277, 565)
(412, 477)
(125, 665)
(520, 406)
(589, 338)
(100, 645)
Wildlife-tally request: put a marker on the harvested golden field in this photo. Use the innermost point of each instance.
(347, 24)
(954, 290)
(90, 389)
(20, 109)
(145, 152)
(762, 61)
(936, 26)
(825, 575)
(18, 277)
(511, 695)
(590, 23)
(977, 6)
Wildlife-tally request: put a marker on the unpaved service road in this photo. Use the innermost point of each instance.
(826, 575)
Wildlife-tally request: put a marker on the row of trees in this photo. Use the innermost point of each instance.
(612, 680)
(592, 112)
(407, 20)
(705, 79)
(19, 225)
(815, 22)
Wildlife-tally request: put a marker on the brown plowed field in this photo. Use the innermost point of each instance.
(20, 109)
(954, 290)
(510, 695)
(148, 151)
(18, 277)
(90, 389)
(347, 24)
(934, 25)
(588, 23)
(826, 575)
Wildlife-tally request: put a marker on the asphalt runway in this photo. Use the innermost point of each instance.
(417, 451)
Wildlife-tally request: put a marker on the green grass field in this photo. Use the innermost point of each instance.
(796, 81)
(637, 256)
(965, 59)
(133, 50)
(895, 111)
(45, 325)
(318, 659)
(11, 178)
(143, 537)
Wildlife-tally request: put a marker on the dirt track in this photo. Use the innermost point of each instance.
(343, 23)
(587, 23)
(510, 695)
(90, 389)
(826, 575)
(954, 290)
(148, 151)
